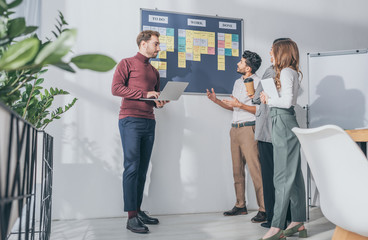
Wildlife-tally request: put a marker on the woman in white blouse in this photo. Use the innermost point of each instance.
(288, 177)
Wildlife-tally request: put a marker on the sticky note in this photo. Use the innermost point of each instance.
(162, 66)
(235, 37)
(235, 52)
(181, 60)
(228, 52)
(170, 31)
(162, 55)
(155, 64)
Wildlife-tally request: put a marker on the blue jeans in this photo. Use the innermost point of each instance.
(137, 137)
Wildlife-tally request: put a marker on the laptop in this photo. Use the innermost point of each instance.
(171, 92)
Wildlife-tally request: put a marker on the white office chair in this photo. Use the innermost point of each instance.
(340, 171)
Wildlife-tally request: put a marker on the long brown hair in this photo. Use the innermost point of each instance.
(286, 54)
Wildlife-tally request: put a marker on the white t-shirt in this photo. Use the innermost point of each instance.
(288, 92)
(240, 92)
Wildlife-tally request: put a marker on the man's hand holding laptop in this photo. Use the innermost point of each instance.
(153, 94)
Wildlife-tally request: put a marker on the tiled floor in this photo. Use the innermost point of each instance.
(183, 227)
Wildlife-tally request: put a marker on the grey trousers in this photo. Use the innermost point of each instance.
(288, 177)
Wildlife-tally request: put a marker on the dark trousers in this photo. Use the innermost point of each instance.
(265, 150)
(137, 137)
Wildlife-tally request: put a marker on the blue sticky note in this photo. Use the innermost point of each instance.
(228, 52)
(169, 31)
(181, 41)
(181, 48)
(235, 37)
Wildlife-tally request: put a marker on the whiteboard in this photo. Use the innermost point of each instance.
(338, 89)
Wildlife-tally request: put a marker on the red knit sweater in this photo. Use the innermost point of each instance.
(133, 78)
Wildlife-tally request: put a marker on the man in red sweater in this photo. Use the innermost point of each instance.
(136, 78)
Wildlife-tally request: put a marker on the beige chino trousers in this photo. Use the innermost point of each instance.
(244, 151)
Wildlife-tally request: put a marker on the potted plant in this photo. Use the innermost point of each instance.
(24, 59)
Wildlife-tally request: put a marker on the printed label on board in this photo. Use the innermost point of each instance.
(196, 22)
(158, 19)
(227, 25)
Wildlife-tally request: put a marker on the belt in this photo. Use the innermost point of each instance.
(243, 124)
(282, 111)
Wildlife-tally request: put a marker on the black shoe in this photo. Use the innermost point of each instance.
(266, 224)
(236, 211)
(260, 217)
(147, 219)
(135, 225)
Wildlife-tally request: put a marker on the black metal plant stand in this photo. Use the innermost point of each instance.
(18, 179)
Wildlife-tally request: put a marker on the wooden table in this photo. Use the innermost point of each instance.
(361, 137)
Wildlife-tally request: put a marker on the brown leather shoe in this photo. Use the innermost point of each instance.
(260, 217)
(236, 211)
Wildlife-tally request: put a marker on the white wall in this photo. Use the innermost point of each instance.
(191, 164)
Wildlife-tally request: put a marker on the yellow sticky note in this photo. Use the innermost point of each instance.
(204, 50)
(181, 60)
(196, 50)
(170, 43)
(196, 53)
(235, 52)
(221, 62)
(163, 39)
(189, 48)
(197, 57)
(204, 35)
(197, 34)
(189, 33)
(155, 64)
(162, 55)
(211, 42)
(162, 66)
(228, 37)
(228, 41)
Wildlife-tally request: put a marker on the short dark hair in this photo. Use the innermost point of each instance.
(252, 59)
(146, 35)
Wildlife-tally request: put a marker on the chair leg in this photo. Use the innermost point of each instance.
(342, 234)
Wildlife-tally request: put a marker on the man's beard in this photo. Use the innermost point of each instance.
(239, 71)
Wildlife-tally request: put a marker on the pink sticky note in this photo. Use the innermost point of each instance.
(211, 50)
(221, 44)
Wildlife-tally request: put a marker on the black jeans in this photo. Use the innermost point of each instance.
(137, 137)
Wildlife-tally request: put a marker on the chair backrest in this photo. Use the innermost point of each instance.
(340, 171)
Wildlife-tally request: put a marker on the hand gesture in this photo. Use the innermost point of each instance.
(233, 102)
(160, 104)
(211, 95)
(153, 94)
(264, 97)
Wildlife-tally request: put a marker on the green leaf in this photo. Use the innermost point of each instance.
(14, 3)
(3, 5)
(36, 92)
(64, 66)
(39, 81)
(30, 29)
(16, 27)
(19, 54)
(62, 18)
(54, 51)
(95, 62)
